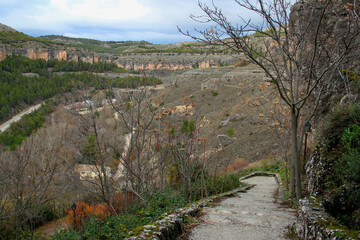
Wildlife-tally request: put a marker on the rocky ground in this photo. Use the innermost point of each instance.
(224, 98)
(256, 214)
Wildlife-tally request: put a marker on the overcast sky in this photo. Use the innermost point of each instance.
(117, 20)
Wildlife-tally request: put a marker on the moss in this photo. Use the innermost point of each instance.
(340, 231)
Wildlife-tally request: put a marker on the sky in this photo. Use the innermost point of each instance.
(155, 21)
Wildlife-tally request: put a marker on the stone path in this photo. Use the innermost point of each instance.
(251, 215)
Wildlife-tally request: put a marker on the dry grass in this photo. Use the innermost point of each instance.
(261, 163)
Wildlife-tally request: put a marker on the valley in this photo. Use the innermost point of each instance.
(135, 140)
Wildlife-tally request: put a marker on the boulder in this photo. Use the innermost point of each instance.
(225, 122)
(225, 140)
(238, 117)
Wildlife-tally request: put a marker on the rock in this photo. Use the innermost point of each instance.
(209, 84)
(349, 99)
(315, 171)
(238, 117)
(225, 140)
(314, 223)
(225, 122)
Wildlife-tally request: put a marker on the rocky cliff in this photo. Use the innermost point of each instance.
(154, 61)
(13, 42)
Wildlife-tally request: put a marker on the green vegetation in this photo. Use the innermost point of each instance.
(340, 141)
(118, 226)
(140, 213)
(124, 47)
(230, 132)
(9, 37)
(17, 90)
(214, 93)
(188, 127)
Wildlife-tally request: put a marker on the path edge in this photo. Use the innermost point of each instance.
(171, 225)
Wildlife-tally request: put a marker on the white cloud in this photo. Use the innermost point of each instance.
(104, 19)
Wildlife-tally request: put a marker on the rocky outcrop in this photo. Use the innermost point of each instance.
(314, 223)
(224, 140)
(170, 61)
(151, 61)
(315, 170)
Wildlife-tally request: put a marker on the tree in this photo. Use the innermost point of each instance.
(300, 52)
(32, 176)
(137, 157)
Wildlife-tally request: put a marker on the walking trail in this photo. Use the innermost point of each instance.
(256, 214)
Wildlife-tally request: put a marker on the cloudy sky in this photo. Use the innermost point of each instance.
(118, 20)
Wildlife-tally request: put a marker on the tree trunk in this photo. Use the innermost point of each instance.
(292, 179)
(295, 157)
(286, 174)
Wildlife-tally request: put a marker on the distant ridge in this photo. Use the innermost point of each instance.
(4, 27)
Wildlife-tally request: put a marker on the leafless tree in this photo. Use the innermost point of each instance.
(138, 156)
(300, 51)
(30, 181)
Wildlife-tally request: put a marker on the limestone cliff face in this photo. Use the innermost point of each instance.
(338, 28)
(154, 61)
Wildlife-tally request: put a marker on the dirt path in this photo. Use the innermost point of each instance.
(251, 215)
(48, 229)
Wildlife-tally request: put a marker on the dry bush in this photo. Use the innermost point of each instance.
(123, 200)
(237, 164)
(84, 212)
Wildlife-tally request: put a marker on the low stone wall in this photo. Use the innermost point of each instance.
(314, 223)
(267, 174)
(170, 225)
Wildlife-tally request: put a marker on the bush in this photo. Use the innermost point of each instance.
(340, 140)
(230, 132)
(214, 93)
(84, 212)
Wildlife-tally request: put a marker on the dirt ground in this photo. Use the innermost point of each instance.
(49, 228)
(230, 92)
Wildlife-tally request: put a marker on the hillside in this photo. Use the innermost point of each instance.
(129, 55)
(127, 47)
(124, 147)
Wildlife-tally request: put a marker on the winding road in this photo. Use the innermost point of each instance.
(17, 117)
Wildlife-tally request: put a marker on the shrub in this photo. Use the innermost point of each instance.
(84, 212)
(214, 93)
(340, 141)
(230, 132)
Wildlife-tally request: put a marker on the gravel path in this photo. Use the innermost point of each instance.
(251, 215)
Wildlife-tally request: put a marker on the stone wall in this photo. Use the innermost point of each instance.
(314, 223)
(170, 225)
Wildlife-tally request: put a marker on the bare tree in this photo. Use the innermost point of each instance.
(300, 53)
(28, 177)
(138, 156)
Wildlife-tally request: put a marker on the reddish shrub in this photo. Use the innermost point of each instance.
(84, 211)
(123, 200)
